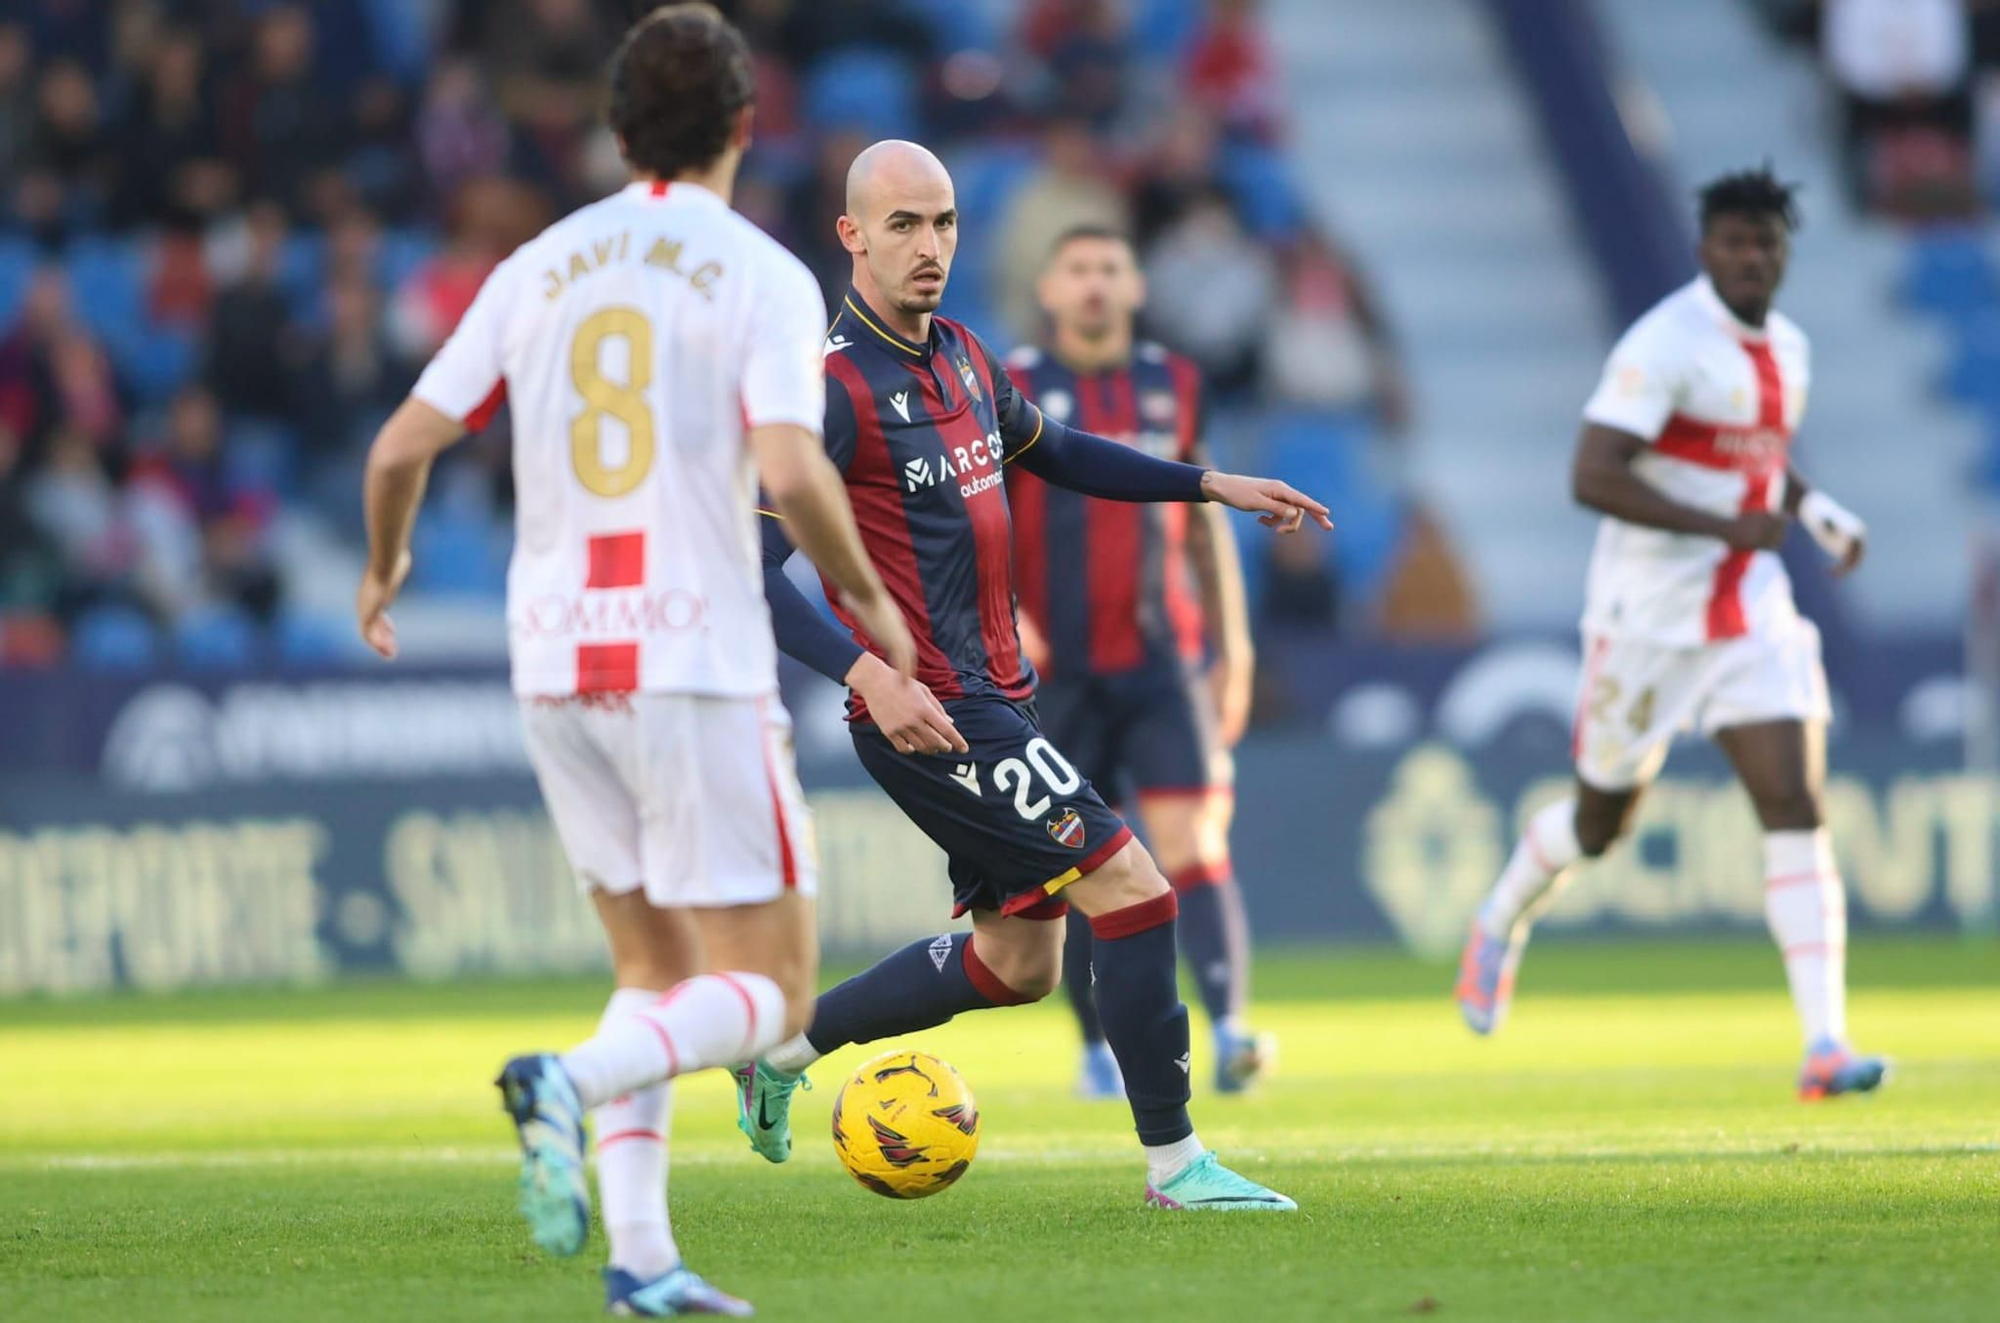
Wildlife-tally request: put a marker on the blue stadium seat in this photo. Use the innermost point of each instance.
(1260, 183)
(114, 638)
(861, 89)
(17, 268)
(216, 639)
(1974, 375)
(454, 555)
(1326, 455)
(156, 361)
(1950, 273)
(1164, 29)
(402, 37)
(107, 279)
(263, 456)
(308, 640)
(403, 251)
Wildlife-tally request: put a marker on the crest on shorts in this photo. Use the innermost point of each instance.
(1066, 828)
(971, 378)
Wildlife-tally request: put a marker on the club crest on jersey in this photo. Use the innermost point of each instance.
(1057, 404)
(970, 377)
(1157, 406)
(1066, 828)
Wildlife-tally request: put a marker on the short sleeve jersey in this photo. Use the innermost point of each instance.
(636, 342)
(1717, 403)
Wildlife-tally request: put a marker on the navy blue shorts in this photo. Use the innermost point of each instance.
(1149, 731)
(1015, 817)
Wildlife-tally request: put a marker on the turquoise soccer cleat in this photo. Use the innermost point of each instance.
(1486, 976)
(764, 1108)
(1208, 1186)
(1832, 1069)
(1241, 1058)
(1100, 1079)
(555, 1197)
(673, 1294)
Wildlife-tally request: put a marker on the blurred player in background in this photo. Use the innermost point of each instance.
(922, 420)
(663, 357)
(1119, 604)
(1688, 617)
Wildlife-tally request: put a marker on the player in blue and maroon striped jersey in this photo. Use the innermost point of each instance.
(1119, 606)
(922, 421)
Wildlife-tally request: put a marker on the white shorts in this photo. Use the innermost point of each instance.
(695, 799)
(1636, 696)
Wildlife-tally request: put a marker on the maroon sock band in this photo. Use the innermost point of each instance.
(987, 983)
(1135, 918)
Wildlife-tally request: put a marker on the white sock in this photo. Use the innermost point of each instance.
(1166, 1161)
(793, 1055)
(1807, 910)
(708, 1020)
(632, 1163)
(1535, 871)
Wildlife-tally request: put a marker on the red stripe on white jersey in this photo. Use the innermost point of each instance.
(607, 668)
(483, 414)
(617, 560)
(787, 862)
(1726, 616)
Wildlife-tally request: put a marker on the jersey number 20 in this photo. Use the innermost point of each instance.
(601, 396)
(1013, 777)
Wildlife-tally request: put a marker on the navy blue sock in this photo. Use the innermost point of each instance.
(1144, 1020)
(919, 987)
(1209, 938)
(1076, 978)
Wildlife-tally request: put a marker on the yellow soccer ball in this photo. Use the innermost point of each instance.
(905, 1125)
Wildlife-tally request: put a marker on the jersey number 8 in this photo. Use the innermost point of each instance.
(601, 396)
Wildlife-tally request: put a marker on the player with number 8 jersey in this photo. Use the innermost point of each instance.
(661, 357)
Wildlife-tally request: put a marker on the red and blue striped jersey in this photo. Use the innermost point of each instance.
(921, 432)
(1107, 582)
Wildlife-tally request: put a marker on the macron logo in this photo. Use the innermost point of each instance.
(900, 401)
(967, 775)
(836, 343)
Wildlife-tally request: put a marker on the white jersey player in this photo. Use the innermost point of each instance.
(1689, 622)
(660, 356)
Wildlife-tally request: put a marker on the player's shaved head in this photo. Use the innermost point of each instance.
(902, 228)
(891, 166)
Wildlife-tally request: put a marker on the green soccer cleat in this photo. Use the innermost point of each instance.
(1208, 1186)
(764, 1108)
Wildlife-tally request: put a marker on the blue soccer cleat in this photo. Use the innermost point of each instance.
(764, 1108)
(549, 1117)
(670, 1295)
(1241, 1058)
(1205, 1185)
(1486, 976)
(1100, 1080)
(1832, 1069)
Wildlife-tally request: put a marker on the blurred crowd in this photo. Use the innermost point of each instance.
(1918, 89)
(235, 229)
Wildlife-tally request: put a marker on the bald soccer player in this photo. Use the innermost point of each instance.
(922, 421)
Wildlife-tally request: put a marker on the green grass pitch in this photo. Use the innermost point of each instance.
(1628, 1149)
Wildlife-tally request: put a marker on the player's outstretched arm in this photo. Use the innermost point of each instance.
(399, 465)
(809, 494)
(1839, 531)
(1601, 479)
